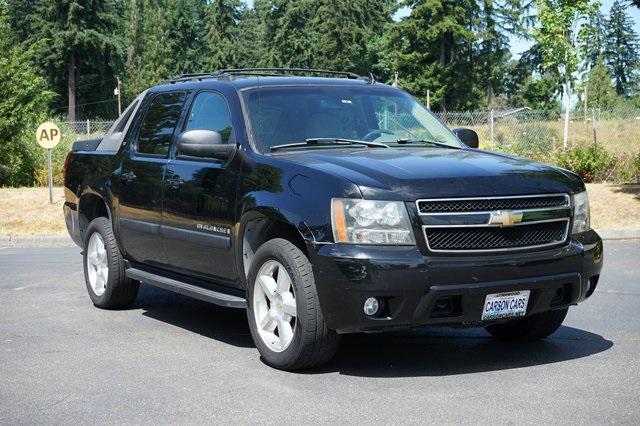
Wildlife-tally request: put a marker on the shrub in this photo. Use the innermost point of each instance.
(23, 103)
(591, 162)
(58, 155)
(530, 140)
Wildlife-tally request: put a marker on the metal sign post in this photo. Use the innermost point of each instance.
(50, 176)
(48, 136)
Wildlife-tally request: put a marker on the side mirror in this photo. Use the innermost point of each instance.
(467, 136)
(203, 144)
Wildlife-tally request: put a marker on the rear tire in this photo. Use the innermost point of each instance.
(534, 327)
(104, 271)
(282, 296)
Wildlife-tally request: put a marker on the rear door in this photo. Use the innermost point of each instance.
(199, 203)
(141, 179)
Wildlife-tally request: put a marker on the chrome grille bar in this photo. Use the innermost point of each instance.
(530, 233)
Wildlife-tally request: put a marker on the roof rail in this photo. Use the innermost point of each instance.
(268, 72)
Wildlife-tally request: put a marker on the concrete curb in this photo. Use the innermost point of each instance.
(65, 241)
(619, 234)
(36, 241)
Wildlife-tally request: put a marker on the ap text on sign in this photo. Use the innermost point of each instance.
(48, 135)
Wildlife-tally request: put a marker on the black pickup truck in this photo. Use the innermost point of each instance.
(324, 206)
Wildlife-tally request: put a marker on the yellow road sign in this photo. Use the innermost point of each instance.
(48, 135)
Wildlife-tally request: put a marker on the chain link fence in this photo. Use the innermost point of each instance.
(536, 134)
(85, 129)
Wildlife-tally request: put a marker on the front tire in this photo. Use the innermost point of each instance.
(104, 270)
(283, 310)
(534, 327)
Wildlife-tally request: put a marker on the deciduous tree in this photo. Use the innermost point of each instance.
(559, 38)
(23, 103)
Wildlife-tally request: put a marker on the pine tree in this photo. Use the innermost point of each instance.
(622, 48)
(165, 38)
(288, 34)
(495, 21)
(601, 93)
(134, 17)
(594, 31)
(327, 34)
(344, 31)
(252, 45)
(528, 83)
(223, 31)
(432, 50)
(78, 42)
(18, 13)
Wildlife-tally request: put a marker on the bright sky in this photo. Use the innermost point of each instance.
(518, 46)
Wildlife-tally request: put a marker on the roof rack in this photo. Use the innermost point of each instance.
(266, 72)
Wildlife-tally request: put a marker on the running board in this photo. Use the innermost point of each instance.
(190, 290)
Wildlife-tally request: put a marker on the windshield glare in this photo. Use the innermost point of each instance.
(282, 115)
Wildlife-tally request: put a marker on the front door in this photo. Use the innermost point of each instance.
(141, 180)
(199, 200)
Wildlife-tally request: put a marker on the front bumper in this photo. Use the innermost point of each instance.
(435, 290)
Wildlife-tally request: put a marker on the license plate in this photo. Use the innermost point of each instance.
(505, 305)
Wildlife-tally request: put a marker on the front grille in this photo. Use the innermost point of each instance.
(488, 204)
(496, 238)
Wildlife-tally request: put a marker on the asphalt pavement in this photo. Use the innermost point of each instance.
(170, 359)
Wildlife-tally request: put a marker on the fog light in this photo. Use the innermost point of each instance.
(371, 306)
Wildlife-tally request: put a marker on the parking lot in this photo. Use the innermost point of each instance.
(170, 359)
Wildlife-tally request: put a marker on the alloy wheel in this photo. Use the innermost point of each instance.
(274, 306)
(97, 264)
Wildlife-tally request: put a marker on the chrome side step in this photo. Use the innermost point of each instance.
(190, 290)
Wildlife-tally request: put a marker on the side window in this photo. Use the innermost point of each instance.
(210, 112)
(156, 131)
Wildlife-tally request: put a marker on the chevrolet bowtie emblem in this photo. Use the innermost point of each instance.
(505, 218)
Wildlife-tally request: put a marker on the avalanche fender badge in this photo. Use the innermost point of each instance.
(212, 228)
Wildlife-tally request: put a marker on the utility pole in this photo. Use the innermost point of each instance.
(71, 87)
(593, 126)
(117, 92)
(585, 103)
(428, 99)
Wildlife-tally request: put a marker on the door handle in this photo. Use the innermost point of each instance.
(128, 177)
(175, 182)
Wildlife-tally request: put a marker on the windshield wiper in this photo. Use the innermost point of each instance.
(424, 141)
(329, 141)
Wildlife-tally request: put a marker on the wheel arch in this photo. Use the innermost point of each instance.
(90, 206)
(258, 226)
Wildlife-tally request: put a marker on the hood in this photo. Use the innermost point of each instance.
(411, 173)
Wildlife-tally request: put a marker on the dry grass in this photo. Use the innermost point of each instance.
(616, 135)
(26, 211)
(614, 206)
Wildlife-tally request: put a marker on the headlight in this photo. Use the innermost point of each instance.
(581, 221)
(370, 222)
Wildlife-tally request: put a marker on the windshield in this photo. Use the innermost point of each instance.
(285, 115)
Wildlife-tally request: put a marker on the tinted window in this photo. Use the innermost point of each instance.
(159, 123)
(281, 115)
(210, 112)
